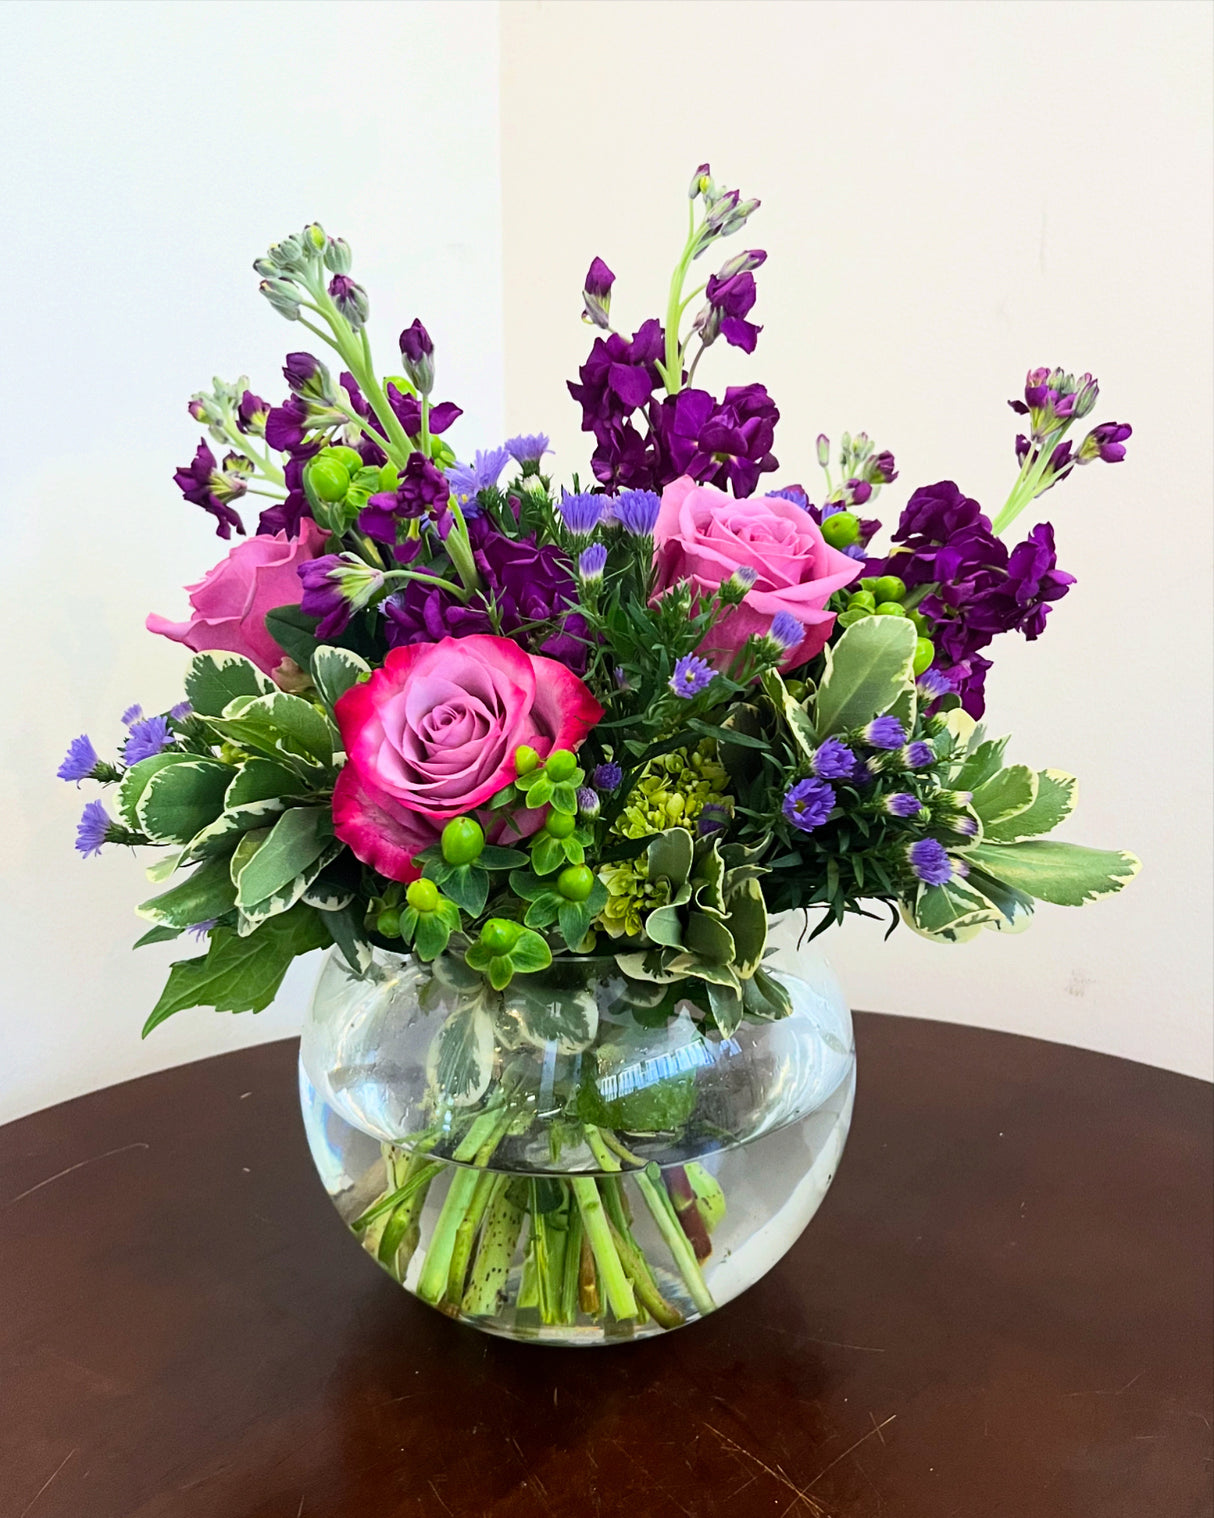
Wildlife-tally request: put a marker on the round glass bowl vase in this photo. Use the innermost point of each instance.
(583, 1159)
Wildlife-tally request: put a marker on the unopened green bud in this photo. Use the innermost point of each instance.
(823, 450)
(499, 935)
(337, 255)
(314, 233)
(282, 297)
(561, 765)
(463, 840)
(842, 529)
(925, 652)
(388, 923)
(328, 477)
(525, 759)
(422, 896)
(888, 588)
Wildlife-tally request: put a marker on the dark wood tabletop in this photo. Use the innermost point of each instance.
(1003, 1310)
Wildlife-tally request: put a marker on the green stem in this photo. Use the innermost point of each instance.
(425, 1172)
(662, 1209)
(573, 1263)
(436, 1268)
(663, 1312)
(418, 574)
(616, 1284)
(499, 1238)
(487, 1187)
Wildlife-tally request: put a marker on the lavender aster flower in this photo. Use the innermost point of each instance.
(902, 804)
(149, 737)
(691, 675)
(587, 802)
(884, 732)
(181, 711)
(591, 563)
(932, 684)
(527, 448)
(468, 480)
(80, 760)
(637, 512)
(785, 631)
(793, 493)
(809, 804)
(580, 513)
(93, 826)
(834, 761)
(131, 715)
(929, 861)
(918, 755)
(607, 777)
(201, 929)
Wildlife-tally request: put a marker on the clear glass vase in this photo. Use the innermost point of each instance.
(583, 1159)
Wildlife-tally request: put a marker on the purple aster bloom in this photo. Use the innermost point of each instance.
(932, 684)
(785, 631)
(902, 804)
(201, 929)
(181, 711)
(197, 482)
(863, 775)
(587, 802)
(596, 293)
(608, 776)
(691, 675)
(884, 732)
(740, 582)
(809, 804)
(92, 829)
(468, 480)
(251, 414)
(929, 861)
(132, 714)
(918, 755)
(580, 513)
(793, 493)
(834, 761)
(148, 737)
(637, 512)
(591, 562)
(80, 760)
(527, 448)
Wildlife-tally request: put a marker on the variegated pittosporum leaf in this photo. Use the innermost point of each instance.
(216, 678)
(866, 671)
(1066, 874)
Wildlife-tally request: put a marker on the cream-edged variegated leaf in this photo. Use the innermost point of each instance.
(1055, 801)
(1063, 873)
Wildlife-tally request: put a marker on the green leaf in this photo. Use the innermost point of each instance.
(179, 800)
(794, 716)
(240, 974)
(726, 1001)
(1007, 793)
(1056, 795)
(161, 934)
(866, 671)
(335, 671)
(546, 854)
(670, 855)
(294, 632)
(708, 939)
(218, 837)
(468, 886)
(431, 936)
(764, 996)
(980, 764)
(205, 894)
(664, 926)
(543, 910)
(283, 727)
(217, 677)
(747, 924)
(955, 904)
(263, 780)
(530, 953)
(297, 839)
(460, 1062)
(135, 782)
(1063, 873)
(564, 798)
(574, 918)
(541, 1015)
(350, 939)
(1014, 907)
(252, 916)
(493, 858)
(527, 886)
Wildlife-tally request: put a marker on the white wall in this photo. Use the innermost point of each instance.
(952, 193)
(149, 153)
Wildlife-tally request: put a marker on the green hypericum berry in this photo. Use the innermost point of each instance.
(422, 896)
(891, 609)
(863, 598)
(329, 478)
(561, 765)
(347, 456)
(559, 824)
(888, 588)
(463, 840)
(525, 759)
(575, 883)
(499, 935)
(388, 923)
(925, 652)
(842, 529)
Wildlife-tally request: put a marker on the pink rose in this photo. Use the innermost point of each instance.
(230, 602)
(703, 535)
(432, 736)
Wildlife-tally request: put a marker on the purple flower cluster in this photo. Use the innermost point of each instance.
(979, 588)
(422, 490)
(726, 443)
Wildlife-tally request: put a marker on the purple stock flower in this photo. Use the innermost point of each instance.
(727, 445)
(1105, 442)
(468, 480)
(929, 861)
(1021, 601)
(608, 776)
(251, 414)
(131, 715)
(92, 828)
(80, 760)
(417, 355)
(729, 302)
(350, 299)
(884, 732)
(408, 410)
(147, 738)
(617, 379)
(637, 511)
(809, 804)
(527, 448)
(306, 376)
(204, 484)
(285, 516)
(335, 586)
(592, 562)
(902, 804)
(691, 675)
(421, 491)
(879, 468)
(833, 760)
(580, 513)
(286, 425)
(596, 293)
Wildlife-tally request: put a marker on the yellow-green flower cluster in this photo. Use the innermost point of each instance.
(672, 792)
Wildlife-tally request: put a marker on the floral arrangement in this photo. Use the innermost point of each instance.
(444, 707)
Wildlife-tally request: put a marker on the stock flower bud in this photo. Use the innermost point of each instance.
(417, 355)
(314, 233)
(338, 257)
(350, 300)
(701, 182)
(596, 294)
(823, 450)
(282, 297)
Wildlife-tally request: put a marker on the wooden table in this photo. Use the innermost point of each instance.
(1002, 1311)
